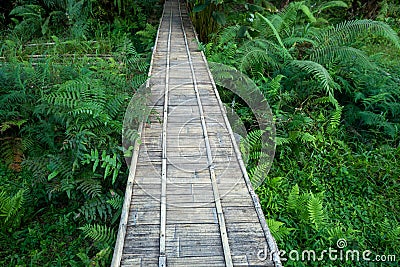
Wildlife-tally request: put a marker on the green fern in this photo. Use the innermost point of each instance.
(96, 208)
(276, 34)
(127, 53)
(99, 233)
(339, 231)
(116, 201)
(390, 233)
(343, 55)
(371, 118)
(282, 140)
(278, 230)
(255, 156)
(11, 208)
(258, 55)
(330, 4)
(316, 212)
(258, 173)
(319, 72)
(293, 199)
(91, 187)
(335, 118)
(251, 142)
(287, 17)
(348, 31)
(305, 137)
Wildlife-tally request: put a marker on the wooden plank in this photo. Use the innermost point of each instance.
(205, 261)
(147, 190)
(240, 214)
(198, 174)
(188, 188)
(144, 217)
(131, 262)
(176, 215)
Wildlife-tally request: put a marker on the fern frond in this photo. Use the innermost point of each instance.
(11, 152)
(255, 59)
(277, 36)
(319, 73)
(306, 137)
(348, 31)
(341, 54)
(278, 230)
(252, 139)
(316, 212)
(250, 146)
(330, 4)
(338, 231)
(258, 173)
(227, 34)
(286, 18)
(335, 118)
(116, 201)
(293, 40)
(59, 167)
(99, 233)
(10, 206)
(391, 232)
(96, 208)
(292, 203)
(127, 53)
(9, 124)
(322, 100)
(282, 140)
(38, 168)
(371, 118)
(91, 187)
(259, 54)
(102, 256)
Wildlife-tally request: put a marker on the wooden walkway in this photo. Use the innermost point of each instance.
(189, 201)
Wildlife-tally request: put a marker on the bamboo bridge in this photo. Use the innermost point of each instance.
(188, 201)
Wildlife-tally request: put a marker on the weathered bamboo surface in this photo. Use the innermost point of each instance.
(188, 201)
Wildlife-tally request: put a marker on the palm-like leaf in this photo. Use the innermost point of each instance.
(318, 71)
(346, 32)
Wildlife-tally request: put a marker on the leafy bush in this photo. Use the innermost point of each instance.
(63, 97)
(335, 102)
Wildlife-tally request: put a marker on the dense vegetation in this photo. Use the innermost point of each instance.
(330, 74)
(68, 70)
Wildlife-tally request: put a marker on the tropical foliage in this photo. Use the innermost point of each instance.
(333, 86)
(329, 70)
(67, 72)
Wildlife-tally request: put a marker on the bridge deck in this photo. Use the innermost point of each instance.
(189, 201)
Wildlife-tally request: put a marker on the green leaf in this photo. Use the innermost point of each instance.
(199, 8)
(308, 13)
(45, 26)
(219, 17)
(319, 72)
(52, 175)
(275, 31)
